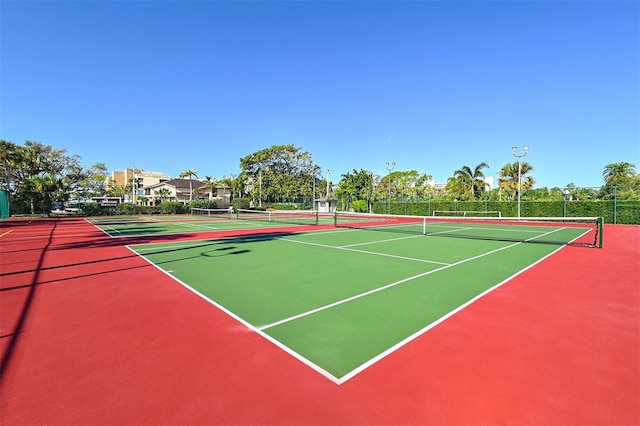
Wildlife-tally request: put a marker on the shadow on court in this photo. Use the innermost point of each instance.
(225, 244)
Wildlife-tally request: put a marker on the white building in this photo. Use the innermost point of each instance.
(185, 190)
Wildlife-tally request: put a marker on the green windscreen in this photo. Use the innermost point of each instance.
(4, 204)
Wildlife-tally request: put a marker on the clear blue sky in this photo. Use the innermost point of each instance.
(434, 86)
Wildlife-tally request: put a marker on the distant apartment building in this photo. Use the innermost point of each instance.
(151, 188)
(185, 190)
(436, 186)
(141, 179)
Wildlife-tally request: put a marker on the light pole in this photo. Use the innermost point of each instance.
(260, 193)
(133, 184)
(328, 184)
(313, 195)
(515, 153)
(390, 167)
(566, 194)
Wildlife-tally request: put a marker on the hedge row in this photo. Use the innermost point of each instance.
(627, 212)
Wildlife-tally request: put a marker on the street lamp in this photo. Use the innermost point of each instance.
(260, 193)
(515, 153)
(390, 167)
(313, 196)
(133, 184)
(328, 185)
(566, 194)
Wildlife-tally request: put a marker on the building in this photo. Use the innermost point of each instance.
(141, 179)
(326, 205)
(185, 190)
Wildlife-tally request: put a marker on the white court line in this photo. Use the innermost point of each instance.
(431, 325)
(382, 241)
(366, 293)
(362, 367)
(358, 296)
(364, 251)
(197, 243)
(196, 226)
(449, 231)
(248, 325)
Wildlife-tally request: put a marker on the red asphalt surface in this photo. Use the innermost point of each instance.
(91, 334)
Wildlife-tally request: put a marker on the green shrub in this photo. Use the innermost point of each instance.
(241, 203)
(203, 204)
(171, 207)
(359, 206)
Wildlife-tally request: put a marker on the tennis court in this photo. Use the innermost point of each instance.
(340, 299)
(360, 321)
(205, 220)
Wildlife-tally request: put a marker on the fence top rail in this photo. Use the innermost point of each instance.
(479, 218)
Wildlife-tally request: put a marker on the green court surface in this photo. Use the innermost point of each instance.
(341, 299)
(178, 224)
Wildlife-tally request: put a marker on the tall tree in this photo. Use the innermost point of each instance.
(10, 161)
(508, 178)
(45, 185)
(210, 184)
(618, 174)
(472, 180)
(116, 190)
(456, 188)
(190, 174)
(284, 170)
(39, 174)
(355, 186)
(235, 183)
(89, 182)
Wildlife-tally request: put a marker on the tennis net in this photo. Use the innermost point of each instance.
(294, 217)
(580, 231)
(467, 213)
(212, 213)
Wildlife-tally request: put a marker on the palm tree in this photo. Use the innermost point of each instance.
(163, 193)
(189, 173)
(455, 187)
(236, 183)
(472, 180)
(210, 184)
(116, 190)
(508, 178)
(348, 188)
(196, 191)
(45, 185)
(616, 174)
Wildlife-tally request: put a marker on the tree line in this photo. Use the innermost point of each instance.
(37, 175)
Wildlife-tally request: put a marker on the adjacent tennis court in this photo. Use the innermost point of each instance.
(341, 299)
(206, 220)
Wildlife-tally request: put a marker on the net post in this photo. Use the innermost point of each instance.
(601, 226)
(317, 217)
